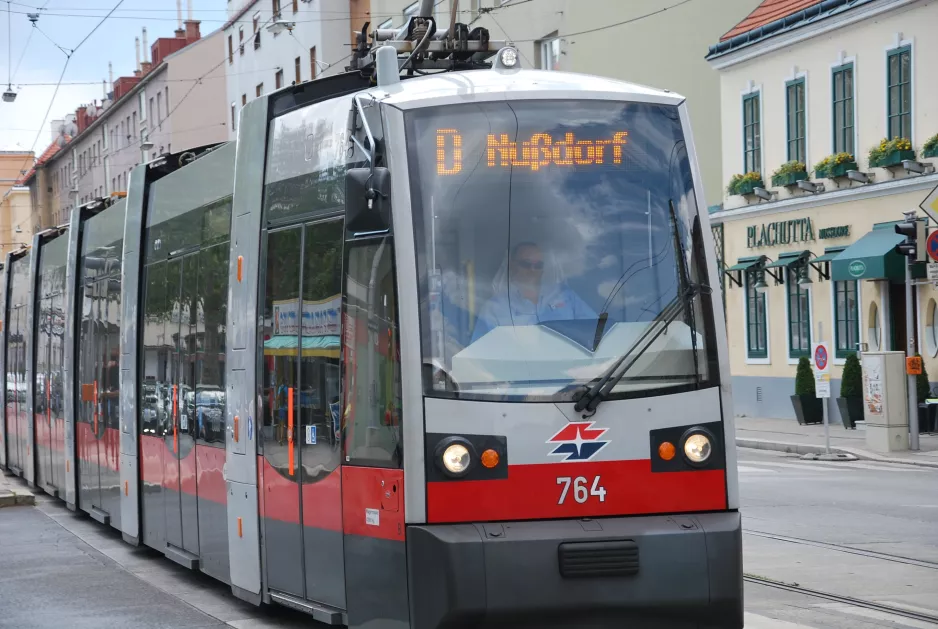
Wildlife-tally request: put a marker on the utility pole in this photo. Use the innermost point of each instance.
(914, 251)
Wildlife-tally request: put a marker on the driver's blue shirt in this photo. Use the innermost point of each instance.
(559, 303)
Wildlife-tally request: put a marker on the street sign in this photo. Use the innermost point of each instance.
(931, 245)
(932, 268)
(821, 355)
(930, 204)
(822, 388)
(913, 365)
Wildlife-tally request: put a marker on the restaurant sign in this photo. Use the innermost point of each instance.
(787, 232)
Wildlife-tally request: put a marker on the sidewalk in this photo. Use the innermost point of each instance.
(786, 435)
(13, 491)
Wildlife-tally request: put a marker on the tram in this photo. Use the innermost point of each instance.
(420, 349)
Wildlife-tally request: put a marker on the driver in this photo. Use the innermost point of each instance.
(528, 301)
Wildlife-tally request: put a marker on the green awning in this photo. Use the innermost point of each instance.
(787, 259)
(829, 254)
(873, 257)
(744, 264)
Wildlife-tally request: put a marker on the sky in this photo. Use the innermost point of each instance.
(36, 60)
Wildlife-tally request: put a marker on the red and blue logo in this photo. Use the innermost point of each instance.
(578, 441)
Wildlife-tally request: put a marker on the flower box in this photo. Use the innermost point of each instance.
(931, 151)
(747, 187)
(837, 170)
(788, 179)
(892, 158)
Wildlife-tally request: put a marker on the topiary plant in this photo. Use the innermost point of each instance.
(804, 377)
(851, 383)
(922, 388)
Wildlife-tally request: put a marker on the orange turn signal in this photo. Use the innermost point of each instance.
(666, 451)
(489, 458)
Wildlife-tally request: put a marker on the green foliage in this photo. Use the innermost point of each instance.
(922, 388)
(789, 168)
(824, 167)
(930, 148)
(804, 378)
(737, 181)
(851, 383)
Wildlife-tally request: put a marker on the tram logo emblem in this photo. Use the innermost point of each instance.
(578, 441)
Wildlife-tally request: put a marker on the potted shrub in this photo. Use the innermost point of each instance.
(808, 408)
(850, 401)
(835, 165)
(930, 149)
(744, 184)
(789, 173)
(922, 392)
(891, 152)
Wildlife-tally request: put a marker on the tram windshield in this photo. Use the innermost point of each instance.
(552, 237)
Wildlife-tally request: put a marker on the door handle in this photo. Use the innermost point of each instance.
(175, 412)
(290, 429)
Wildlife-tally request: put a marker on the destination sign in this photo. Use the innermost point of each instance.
(540, 151)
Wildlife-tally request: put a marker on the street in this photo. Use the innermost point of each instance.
(856, 529)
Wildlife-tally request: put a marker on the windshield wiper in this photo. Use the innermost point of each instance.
(594, 395)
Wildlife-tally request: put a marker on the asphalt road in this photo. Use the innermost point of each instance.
(868, 531)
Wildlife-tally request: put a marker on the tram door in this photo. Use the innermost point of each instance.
(302, 498)
(91, 426)
(179, 456)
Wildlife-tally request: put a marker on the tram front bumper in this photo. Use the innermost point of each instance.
(666, 571)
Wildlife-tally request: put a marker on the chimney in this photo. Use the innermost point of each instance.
(192, 31)
(137, 48)
(103, 90)
(180, 33)
(146, 47)
(110, 75)
(189, 10)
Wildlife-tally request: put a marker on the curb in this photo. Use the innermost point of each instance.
(807, 448)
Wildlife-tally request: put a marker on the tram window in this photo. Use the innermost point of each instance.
(212, 307)
(153, 406)
(371, 358)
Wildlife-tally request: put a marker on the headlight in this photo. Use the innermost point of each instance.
(697, 448)
(456, 458)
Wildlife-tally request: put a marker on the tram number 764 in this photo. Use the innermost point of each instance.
(580, 493)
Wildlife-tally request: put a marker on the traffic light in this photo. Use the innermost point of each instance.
(914, 245)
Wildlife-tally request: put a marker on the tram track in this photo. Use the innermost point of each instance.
(921, 563)
(846, 600)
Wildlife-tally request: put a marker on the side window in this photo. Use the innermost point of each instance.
(371, 420)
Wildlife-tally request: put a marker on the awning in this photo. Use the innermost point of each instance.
(744, 264)
(829, 254)
(284, 345)
(787, 259)
(873, 257)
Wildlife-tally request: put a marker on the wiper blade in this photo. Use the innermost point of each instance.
(594, 395)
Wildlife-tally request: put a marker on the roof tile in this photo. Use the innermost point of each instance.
(768, 11)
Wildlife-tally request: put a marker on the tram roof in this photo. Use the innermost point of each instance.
(458, 87)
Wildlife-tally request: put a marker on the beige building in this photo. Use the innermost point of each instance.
(174, 101)
(15, 224)
(801, 81)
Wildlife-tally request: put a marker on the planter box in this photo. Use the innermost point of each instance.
(893, 158)
(789, 179)
(838, 170)
(932, 152)
(851, 410)
(808, 409)
(746, 187)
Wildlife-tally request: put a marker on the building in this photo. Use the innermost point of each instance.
(15, 226)
(263, 55)
(800, 81)
(173, 101)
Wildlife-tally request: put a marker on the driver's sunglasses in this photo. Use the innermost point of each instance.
(527, 265)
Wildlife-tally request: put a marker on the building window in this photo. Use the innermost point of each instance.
(257, 35)
(296, 70)
(752, 138)
(799, 313)
(278, 80)
(846, 318)
(244, 100)
(240, 40)
(230, 49)
(899, 62)
(842, 88)
(159, 108)
(275, 5)
(234, 117)
(756, 334)
(259, 90)
(296, 6)
(550, 54)
(312, 63)
(794, 98)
